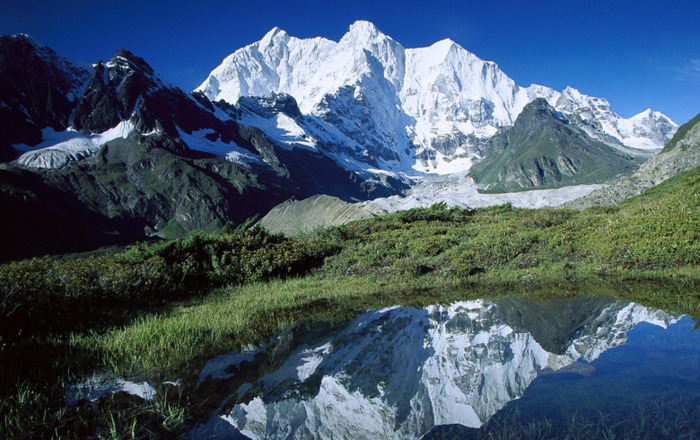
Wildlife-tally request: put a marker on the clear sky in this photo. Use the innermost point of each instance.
(636, 53)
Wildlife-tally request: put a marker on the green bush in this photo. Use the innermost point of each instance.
(39, 292)
(437, 212)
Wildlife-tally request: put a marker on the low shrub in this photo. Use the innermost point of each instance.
(35, 294)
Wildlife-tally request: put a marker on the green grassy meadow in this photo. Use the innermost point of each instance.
(155, 309)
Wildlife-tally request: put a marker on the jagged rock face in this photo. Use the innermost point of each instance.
(270, 105)
(126, 95)
(110, 96)
(681, 154)
(135, 188)
(543, 149)
(425, 109)
(38, 89)
(148, 157)
(127, 88)
(398, 372)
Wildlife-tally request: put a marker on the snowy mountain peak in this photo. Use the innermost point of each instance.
(362, 29)
(429, 109)
(275, 36)
(575, 99)
(651, 114)
(572, 92)
(446, 42)
(364, 35)
(272, 32)
(441, 49)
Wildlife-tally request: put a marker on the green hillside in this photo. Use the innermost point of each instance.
(681, 133)
(542, 151)
(158, 308)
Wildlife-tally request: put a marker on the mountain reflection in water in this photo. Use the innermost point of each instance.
(399, 372)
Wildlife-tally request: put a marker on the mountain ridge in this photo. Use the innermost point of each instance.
(360, 141)
(440, 103)
(681, 154)
(544, 149)
(143, 156)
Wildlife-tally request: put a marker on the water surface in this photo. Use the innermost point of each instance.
(466, 370)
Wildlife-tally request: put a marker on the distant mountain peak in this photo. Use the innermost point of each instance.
(365, 35)
(364, 27)
(427, 109)
(124, 59)
(26, 38)
(274, 31)
(650, 114)
(443, 47)
(543, 149)
(275, 36)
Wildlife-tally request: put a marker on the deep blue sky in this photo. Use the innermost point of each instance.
(636, 53)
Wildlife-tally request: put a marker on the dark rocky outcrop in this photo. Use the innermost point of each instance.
(268, 106)
(38, 89)
(127, 88)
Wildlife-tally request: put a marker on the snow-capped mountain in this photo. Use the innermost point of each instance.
(292, 118)
(426, 109)
(398, 372)
(113, 147)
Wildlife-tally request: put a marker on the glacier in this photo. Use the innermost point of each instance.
(60, 147)
(459, 190)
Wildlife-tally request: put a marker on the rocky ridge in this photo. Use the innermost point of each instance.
(38, 89)
(682, 153)
(146, 157)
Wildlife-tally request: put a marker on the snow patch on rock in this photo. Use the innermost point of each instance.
(59, 148)
(200, 140)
